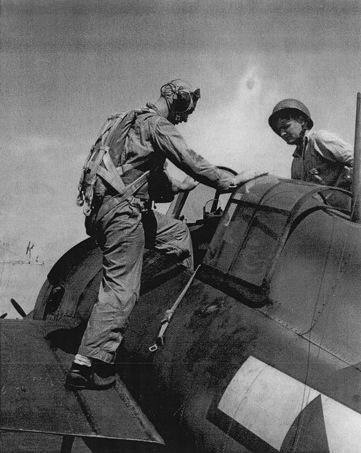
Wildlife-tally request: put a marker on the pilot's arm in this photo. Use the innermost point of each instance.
(170, 142)
(179, 186)
(182, 186)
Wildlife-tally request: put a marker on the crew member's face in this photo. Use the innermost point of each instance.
(291, 130)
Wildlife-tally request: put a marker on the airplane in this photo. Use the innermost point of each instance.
(258, 350)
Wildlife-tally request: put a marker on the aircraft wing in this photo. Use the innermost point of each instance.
(35, 406)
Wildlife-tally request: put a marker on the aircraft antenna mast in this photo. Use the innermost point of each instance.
(356, 184)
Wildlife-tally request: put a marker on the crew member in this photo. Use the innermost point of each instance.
(320, 156)
(122, 230)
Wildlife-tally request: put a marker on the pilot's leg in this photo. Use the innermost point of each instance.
(169, 236)
(121, 238)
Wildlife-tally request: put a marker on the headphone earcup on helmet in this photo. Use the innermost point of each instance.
(181, 101)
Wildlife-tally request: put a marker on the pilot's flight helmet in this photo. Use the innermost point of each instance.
(180, 97)
(293, 106)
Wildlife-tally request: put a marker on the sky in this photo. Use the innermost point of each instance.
(68, 64)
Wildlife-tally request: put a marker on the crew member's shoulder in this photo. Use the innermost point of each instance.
(326, 142)
(323, 136)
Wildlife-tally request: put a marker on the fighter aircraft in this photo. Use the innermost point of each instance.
(258, 350)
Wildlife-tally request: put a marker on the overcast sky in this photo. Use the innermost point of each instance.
(67, 64)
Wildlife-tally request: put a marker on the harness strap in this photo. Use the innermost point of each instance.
(169, 314)
(91, 168)
(124, 168)
(110, 174)
(115, 201)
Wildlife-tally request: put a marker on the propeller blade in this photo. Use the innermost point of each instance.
(18, 308)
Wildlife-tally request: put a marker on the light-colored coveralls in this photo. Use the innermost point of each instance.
(123, 232)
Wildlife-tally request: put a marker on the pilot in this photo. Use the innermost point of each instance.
(124, 230)
(320, 156)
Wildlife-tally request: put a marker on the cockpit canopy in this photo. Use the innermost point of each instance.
(255, 227)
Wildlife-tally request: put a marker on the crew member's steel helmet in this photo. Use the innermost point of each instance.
(293, 106)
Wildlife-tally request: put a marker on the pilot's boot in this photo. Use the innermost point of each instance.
(103, 376)
(78, 377)
(98, 376)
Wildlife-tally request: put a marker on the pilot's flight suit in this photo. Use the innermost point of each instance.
(123, 231)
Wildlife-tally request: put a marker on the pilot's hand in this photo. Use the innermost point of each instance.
(188, 184)
(245, 176)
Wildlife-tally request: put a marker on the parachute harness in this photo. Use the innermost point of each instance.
(100, 164)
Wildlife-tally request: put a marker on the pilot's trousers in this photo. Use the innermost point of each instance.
(122, 235)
